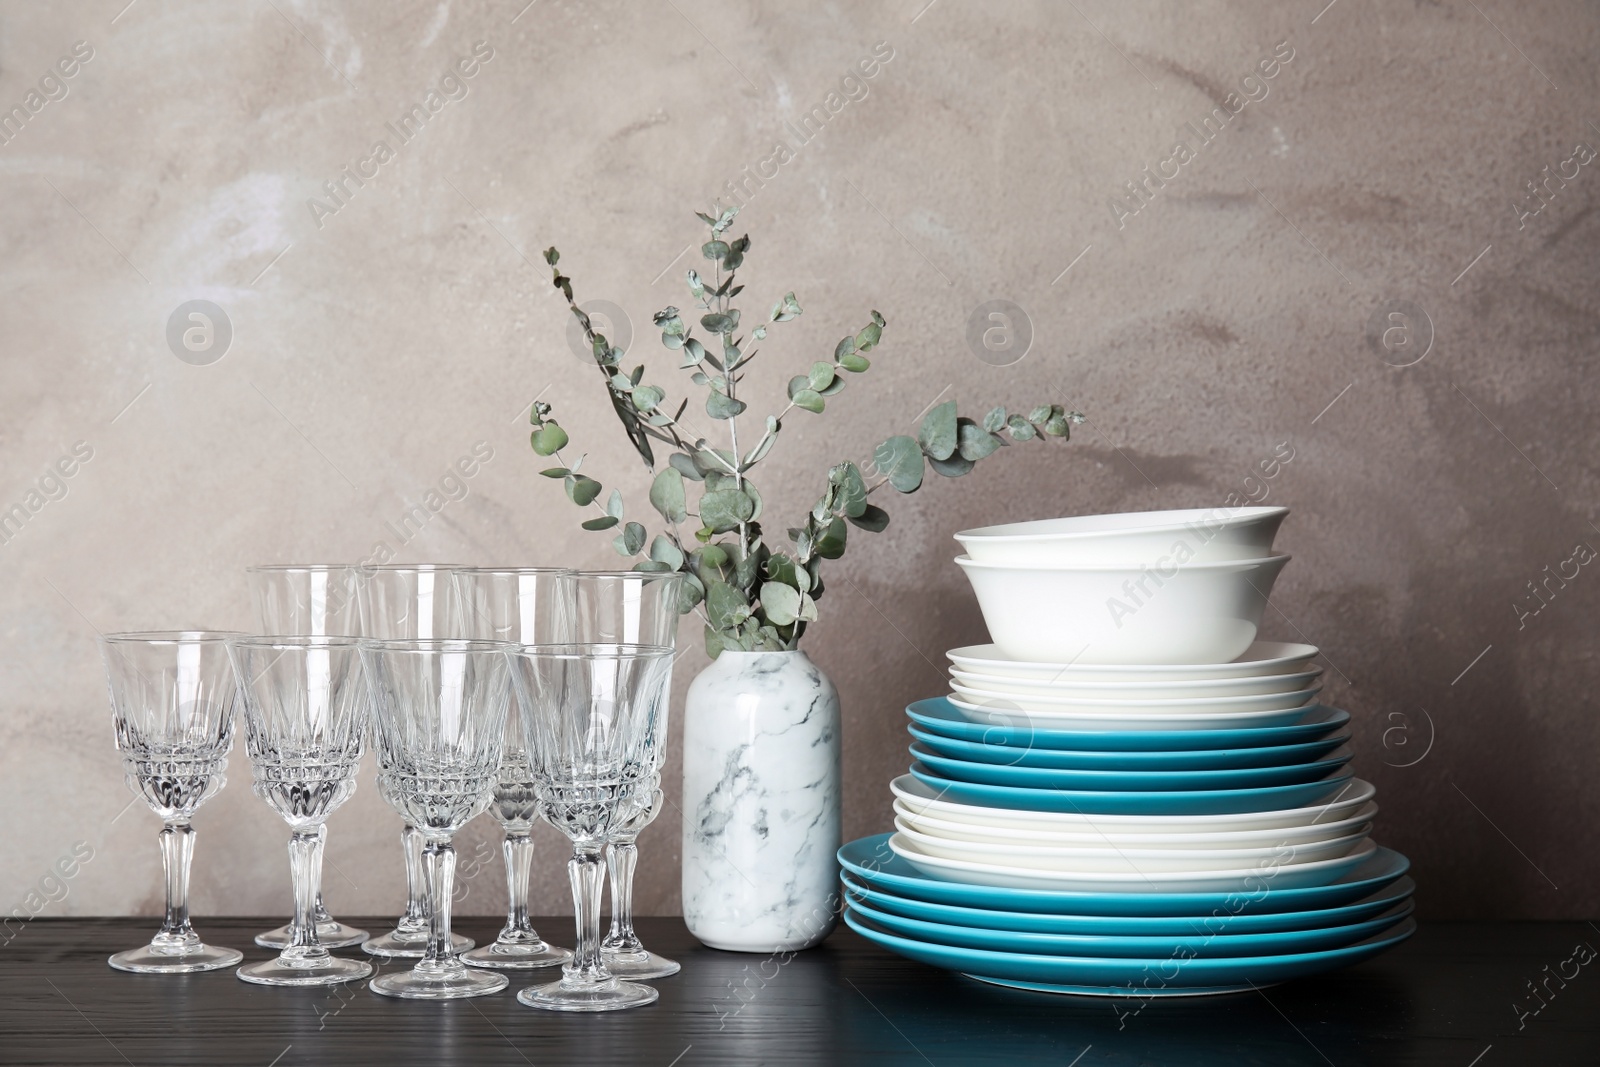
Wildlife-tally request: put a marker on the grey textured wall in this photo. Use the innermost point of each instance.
(1384, 167)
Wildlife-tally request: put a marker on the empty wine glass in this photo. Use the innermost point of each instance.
(305, 717)
(595, 718)
(439, 712)
(172, 700)
(634, 608)
(316, 599)
(525, 606)
(401, 602)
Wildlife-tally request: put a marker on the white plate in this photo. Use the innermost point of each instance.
(1127, 860)
(1261, 658)
(1129, 720)
(1070, 688)
(1107, 705)
(1203, 535)
(924, 799)
(1263, 877)
(956, 830)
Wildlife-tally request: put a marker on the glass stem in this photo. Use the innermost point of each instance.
(319, 912)
(518, 851)
(585, 872)
(439, 860)
(177, 850)
(415, 918)
(621, 858)
(305, 868)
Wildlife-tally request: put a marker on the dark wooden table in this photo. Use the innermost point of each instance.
(1452, 995)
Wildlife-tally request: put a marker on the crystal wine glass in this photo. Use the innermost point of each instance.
(594, 718)
(316, 600)
(172, 699)
(634, 608)
(524, 606)
(401, 602)
(439, 711)
(305, 717)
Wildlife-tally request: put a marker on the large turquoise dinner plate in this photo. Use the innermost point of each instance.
(1123, 802)
(1209, 943)
(1181, 760)
(942, 717)
(871, 861)
(1218, 920)
(963, 770)
(1171, 975)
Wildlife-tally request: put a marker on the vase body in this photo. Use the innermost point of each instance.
(761, 803)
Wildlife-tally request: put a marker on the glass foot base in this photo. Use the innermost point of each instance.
(332, 934)
(448, 983)
(640, 964)
(608, 996)
(409, 947)
(329, 971)
(516, 957)
(203, 958)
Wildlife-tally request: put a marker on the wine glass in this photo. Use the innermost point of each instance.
(305, 717)
(629, 607)
(400, 602)
(439, 711)
(317, 599)
(172, 699)
(525, 606)
(594, 718)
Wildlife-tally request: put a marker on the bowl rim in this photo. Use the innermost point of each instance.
(1221, 566)
(1366, 813)
(1166, 520)
(965, 652)
(1109, 688)
(1067, 703)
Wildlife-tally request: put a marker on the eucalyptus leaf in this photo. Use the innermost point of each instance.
(662, 550)
(716, 322)
(549, 439)
(646, 397)
(714, 249)
(938, 434)
(954, 467)
(809, 399)
(900, 460)
(726, 607)
(852, 493)
(755, 500)
(633, 535)
(873, 519)
(719, 406)
(614, 504)
(582, 489)
(1040, 414)
(1021, 429)
(868, 337)
(854, 362)
(650, 566)
(725, 509)
(685, 466)
(780, 603)
(604, 522)
(555, 472)
(1058, 426)
(974, 441)
(808, 609)
(821, 375)
(667, 495)
(995, 421)
(831, 544)
(690, 593)
(835, 386)
(844, 348)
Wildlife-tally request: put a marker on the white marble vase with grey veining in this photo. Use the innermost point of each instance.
(761, 803)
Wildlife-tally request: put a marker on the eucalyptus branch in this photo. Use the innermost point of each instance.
(750, 596)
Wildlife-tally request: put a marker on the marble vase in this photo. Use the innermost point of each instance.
(761, 803)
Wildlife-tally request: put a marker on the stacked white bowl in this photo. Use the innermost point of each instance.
(1127, 776)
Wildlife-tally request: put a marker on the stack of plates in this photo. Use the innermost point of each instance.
(1095, 826)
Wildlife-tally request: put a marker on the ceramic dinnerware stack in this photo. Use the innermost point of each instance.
(1127, 793)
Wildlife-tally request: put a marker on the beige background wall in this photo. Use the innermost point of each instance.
(1381, 171)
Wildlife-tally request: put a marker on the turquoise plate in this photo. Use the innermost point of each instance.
(962, 770)
(1148, 977)
(1211, 943)
(1181, 760)
(1132, 925)
(871, 861)
(1112, 802)
(940, 716)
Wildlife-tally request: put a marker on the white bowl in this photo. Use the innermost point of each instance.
(1198, 613)
(1268, 874)
(1007, 715)
(1131, 539)
(1082, 837)
(924, 799)
(1128, 860)
(1108, 705)
(1069, 688)
(1261, 659)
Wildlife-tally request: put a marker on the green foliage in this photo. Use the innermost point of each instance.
(753, 597)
